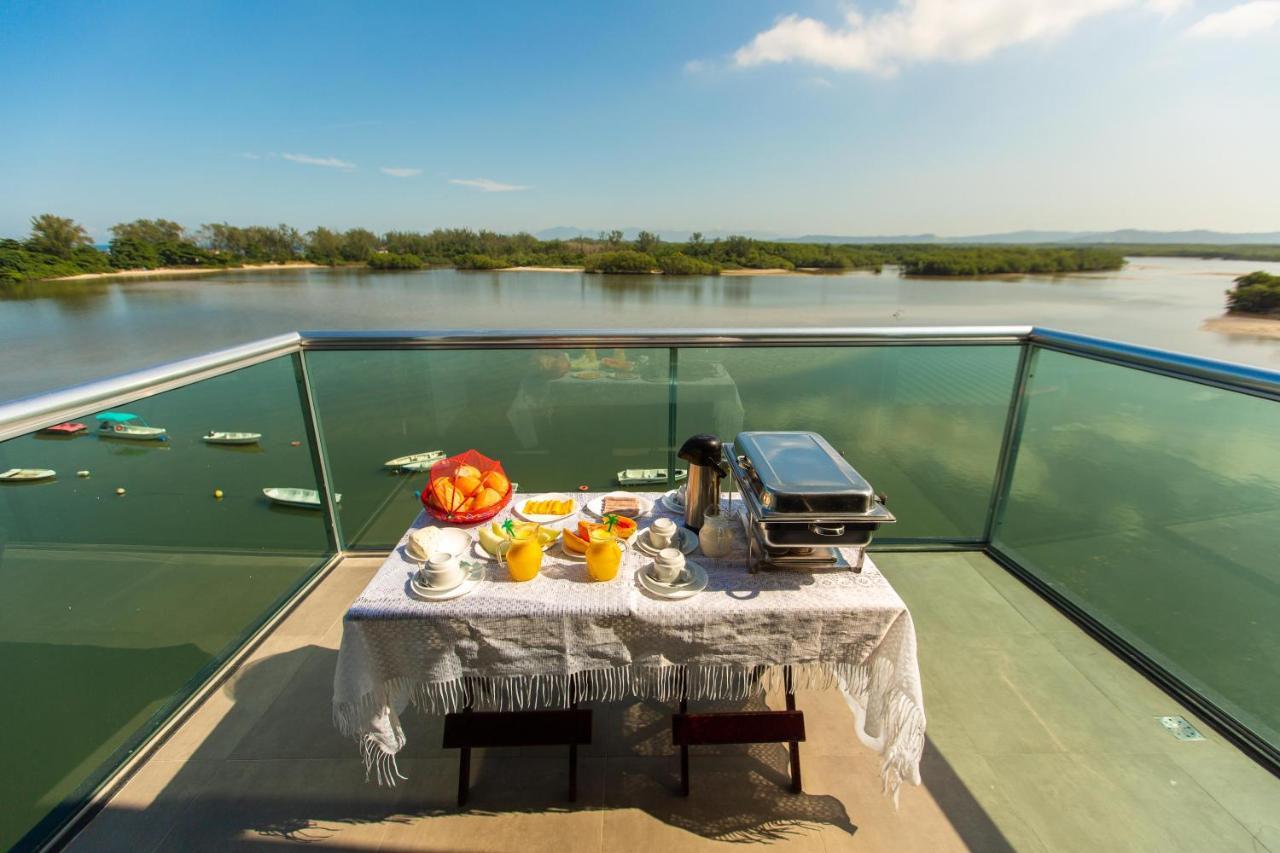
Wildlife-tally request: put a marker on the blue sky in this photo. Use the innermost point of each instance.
(897, 116)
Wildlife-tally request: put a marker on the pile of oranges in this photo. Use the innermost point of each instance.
(468, 490)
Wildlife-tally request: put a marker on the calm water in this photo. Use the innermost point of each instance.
(91, 330)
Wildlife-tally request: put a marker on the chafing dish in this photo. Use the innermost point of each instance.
(803, 501)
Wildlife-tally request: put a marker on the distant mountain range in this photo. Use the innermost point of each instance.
(1125, 235)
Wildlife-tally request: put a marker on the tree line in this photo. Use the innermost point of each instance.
(58, 247)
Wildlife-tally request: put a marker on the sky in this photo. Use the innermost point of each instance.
(790, 117)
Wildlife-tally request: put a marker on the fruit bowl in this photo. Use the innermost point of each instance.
(467, 489)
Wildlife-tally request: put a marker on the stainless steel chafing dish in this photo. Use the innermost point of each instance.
(802, 500)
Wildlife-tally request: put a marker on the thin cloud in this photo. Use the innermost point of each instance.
(485, 185)
(924, 31)
(249, 155)
(819, 82)
(327, 162)
(1240, 21)
(400, 172)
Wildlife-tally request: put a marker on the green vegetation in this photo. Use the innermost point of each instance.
(1000, 260)
(59, 247)
(1235, 252)
(625, 261)
(1255, 293)
(395, 261)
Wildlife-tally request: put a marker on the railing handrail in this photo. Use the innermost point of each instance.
(27, 414)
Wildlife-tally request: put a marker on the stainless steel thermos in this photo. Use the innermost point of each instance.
(706, 468)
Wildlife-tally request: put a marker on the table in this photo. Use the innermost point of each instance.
(561, 639)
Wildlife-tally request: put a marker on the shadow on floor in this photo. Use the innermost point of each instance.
(277, 769)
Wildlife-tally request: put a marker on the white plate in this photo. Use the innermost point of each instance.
(696, 584)
(454, 540)
(542, 518)
(571, 555)
(688, 542)
(595, 506)
(674, 501)
(475, 577)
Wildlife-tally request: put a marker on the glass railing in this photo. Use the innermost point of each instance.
(1153, 504)
(1137, 490)
(124, 580)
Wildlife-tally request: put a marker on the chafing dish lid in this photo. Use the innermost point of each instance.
(800, 472)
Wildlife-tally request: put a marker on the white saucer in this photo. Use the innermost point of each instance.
(543, 518)
(696, 583)
(688, 542)
(595, 506)
(571, 555)
(672, 501)
(474, 577)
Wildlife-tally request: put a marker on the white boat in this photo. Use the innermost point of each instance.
(26, 475)
(415, 461)
(305, 498)
(232, 437)
(645, 476)
(135, 432)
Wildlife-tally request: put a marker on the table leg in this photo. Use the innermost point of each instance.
(684, 755)
(573, 749)
(464, 767)
(793, 746)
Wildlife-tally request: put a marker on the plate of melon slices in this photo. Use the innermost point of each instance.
(546, 508)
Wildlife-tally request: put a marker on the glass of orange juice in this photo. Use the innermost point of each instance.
(604, 555)
(524, 555)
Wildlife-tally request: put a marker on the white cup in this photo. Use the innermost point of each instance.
(662, 533)
(443, 570)
(668, 565)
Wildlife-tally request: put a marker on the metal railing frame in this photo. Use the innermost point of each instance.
(25, 415)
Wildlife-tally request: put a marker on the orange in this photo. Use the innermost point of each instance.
(496, 481)
(467, 471)
(467, 485)
(486, 498)
(446, 496)
(574, 542)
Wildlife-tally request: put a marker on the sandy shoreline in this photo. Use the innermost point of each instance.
(1241, 324)
(176, 271)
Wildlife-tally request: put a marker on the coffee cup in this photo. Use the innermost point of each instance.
(443, 570)
(668, 564)
(662, 533)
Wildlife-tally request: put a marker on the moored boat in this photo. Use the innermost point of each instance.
(415, 461)
(305, 498)
(647, 476)
(130, 426)
(67, 428)
(214, 437)
(26, 475)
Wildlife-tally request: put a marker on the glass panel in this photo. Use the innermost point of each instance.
(558, 420)
(1154, 504)
(923, 424)
(114, 607)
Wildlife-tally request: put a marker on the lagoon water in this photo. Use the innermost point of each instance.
(91, 329)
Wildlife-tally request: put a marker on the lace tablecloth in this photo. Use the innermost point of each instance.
(514, 646)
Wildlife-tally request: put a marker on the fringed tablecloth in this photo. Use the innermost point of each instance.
(516, 646)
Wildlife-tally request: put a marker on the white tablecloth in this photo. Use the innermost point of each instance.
(515, 646)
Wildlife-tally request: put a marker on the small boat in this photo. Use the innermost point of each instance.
(26, 475)
(121, 425)
(415, 461)
(68, 428)
(305, 498)
(232, 437)
(646, 476)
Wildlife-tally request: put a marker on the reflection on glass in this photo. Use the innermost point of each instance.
(124, 579)
(1154, 504)
(923, 424)
(557, 419)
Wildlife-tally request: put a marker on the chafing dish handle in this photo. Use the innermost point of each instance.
(827, 529)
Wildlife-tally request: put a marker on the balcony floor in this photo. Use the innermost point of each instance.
(1039, 739)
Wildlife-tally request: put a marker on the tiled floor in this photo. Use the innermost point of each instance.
(1039, 739)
